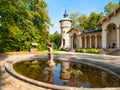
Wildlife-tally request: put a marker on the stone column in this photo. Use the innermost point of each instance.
(80, 41)
(85, 42)
(95, 40)
(72, 41)
(118, 37)
(90, 41)
(104, 38)
(77, 41)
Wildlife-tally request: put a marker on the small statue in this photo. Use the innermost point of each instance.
(50, 54)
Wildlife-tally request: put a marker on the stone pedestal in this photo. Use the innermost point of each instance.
(50, 55)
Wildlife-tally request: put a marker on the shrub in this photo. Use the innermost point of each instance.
(97, 51)
(84, 50)
(88, 50)
(64, 49)
(42, 47)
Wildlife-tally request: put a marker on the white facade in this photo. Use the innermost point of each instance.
(65, 26)
(111, 29)
(75, 38)
(108, 37)
(80, 38)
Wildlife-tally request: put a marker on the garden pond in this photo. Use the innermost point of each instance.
(67, 73)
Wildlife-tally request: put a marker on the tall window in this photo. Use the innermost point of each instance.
(63, 42)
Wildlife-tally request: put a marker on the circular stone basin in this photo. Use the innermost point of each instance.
(66, 73)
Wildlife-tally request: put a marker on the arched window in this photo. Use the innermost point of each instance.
(63, 42)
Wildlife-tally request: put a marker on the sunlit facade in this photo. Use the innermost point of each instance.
(107, 37)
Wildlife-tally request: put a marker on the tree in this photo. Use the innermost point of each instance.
(83, 21)
(56, 39)
(86, 22)
(23, 22)
(74, 17)
(110, 7)
(93, 20)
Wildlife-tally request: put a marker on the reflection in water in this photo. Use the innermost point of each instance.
(64, 74)
(91, 77)
(50, 74)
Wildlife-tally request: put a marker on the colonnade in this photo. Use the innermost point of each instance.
(91, 41)
(100, 39)
(116, 35)
(86, 41)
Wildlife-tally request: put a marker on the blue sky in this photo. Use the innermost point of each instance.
(56, 9)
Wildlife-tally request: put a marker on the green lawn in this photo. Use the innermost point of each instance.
(27, 52)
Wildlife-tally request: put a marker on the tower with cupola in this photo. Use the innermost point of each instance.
(65, 25)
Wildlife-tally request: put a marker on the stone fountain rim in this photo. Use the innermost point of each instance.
(12, 72)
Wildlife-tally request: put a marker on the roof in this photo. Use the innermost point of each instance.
(77, 29)
(65, 19)
(92, 31)
(112, 13)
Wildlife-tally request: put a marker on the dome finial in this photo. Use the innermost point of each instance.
(65, 13)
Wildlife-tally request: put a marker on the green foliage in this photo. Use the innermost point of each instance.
(110, 7)
(64, 49)
(74, 17)
(49, 68)
(23, 22)
(83, 20)
(56, 39)
(86, 22)
(27, 62)
(75, 72)
(42, 47)
(84, 51)
(89, 50)
(35, 64)
(91, 22)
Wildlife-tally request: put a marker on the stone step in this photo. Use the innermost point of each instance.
(115, 52)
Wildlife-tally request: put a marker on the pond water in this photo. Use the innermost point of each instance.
(67, 74)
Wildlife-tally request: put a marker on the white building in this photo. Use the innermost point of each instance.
(65, 25)
(107, 37)
(111, 29)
